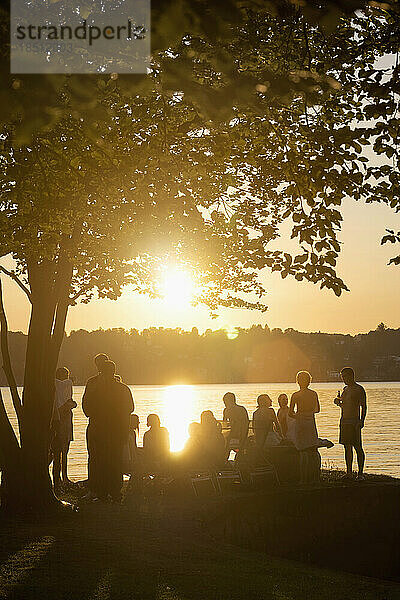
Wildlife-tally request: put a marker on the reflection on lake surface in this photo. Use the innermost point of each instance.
(178, 409)
(179, 405)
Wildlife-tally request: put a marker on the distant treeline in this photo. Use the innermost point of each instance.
(258, 354)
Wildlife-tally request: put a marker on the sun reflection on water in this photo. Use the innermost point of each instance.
(179, 410)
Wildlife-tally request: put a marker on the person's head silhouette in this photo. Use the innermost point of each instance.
(229, 399)
(135, 421)
(194, 430)
(303, 379)
(283, 400)
(264, 401)
(347, 375)
(62, 373)
(207, 418)
(153, 421)
(108, 369)
(99, 361)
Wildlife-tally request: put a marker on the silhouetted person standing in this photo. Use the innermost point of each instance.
(303, 406)
(89, 397)
(353, 404)
(62, 426)
(238, 420)
(109, 409)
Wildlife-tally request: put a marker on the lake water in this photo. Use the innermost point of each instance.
(180, 405)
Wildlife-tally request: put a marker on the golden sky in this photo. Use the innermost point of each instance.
(374, 292)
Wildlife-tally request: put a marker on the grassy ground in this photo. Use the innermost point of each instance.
(141, 551)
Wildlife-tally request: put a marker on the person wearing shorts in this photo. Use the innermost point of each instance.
(353, 405)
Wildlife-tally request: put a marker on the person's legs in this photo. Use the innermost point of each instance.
(314, 466)
(227, 446)
(317, 463)
(260, 444)
(90, 455)
(360, 458)
(98, 465)
(64, 465)
(56, 469)
(113, 470)
(100, 473)
(303, 467)
(115, 484)
(348, 454)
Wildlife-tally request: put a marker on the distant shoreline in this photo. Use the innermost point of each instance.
(256, 355)
(236, 383)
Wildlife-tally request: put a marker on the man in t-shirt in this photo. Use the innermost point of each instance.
(353, 404)
(88, 400)
(238, 421)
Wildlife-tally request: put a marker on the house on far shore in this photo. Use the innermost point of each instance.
(387, 367)
(335, 375)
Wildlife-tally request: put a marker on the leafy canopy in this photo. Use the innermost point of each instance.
(222, 143)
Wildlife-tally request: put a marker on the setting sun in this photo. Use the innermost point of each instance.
(177, 287)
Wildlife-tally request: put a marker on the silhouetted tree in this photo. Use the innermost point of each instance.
(198, 163)
(81, 215)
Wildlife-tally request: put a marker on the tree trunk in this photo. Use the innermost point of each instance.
(27, 481)
(11, 489)
(38, 399)
(7, 366)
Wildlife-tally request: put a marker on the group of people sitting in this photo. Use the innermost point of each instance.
(113, 428)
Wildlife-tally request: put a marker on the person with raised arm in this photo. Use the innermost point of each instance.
(353, 405)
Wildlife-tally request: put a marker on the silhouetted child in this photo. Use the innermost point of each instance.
(133, 431)
(283, 412)
(131, 450)
(264, 421)
(192, 454)
(134, 459)
(62, 426)
(156, 444)
(213, 442)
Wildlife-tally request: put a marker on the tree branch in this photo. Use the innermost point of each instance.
(307, 47)
(17, 281)
(63, 283)
(7, 366)
(78, 293)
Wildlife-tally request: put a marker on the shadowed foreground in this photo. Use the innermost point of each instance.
(108, 551)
